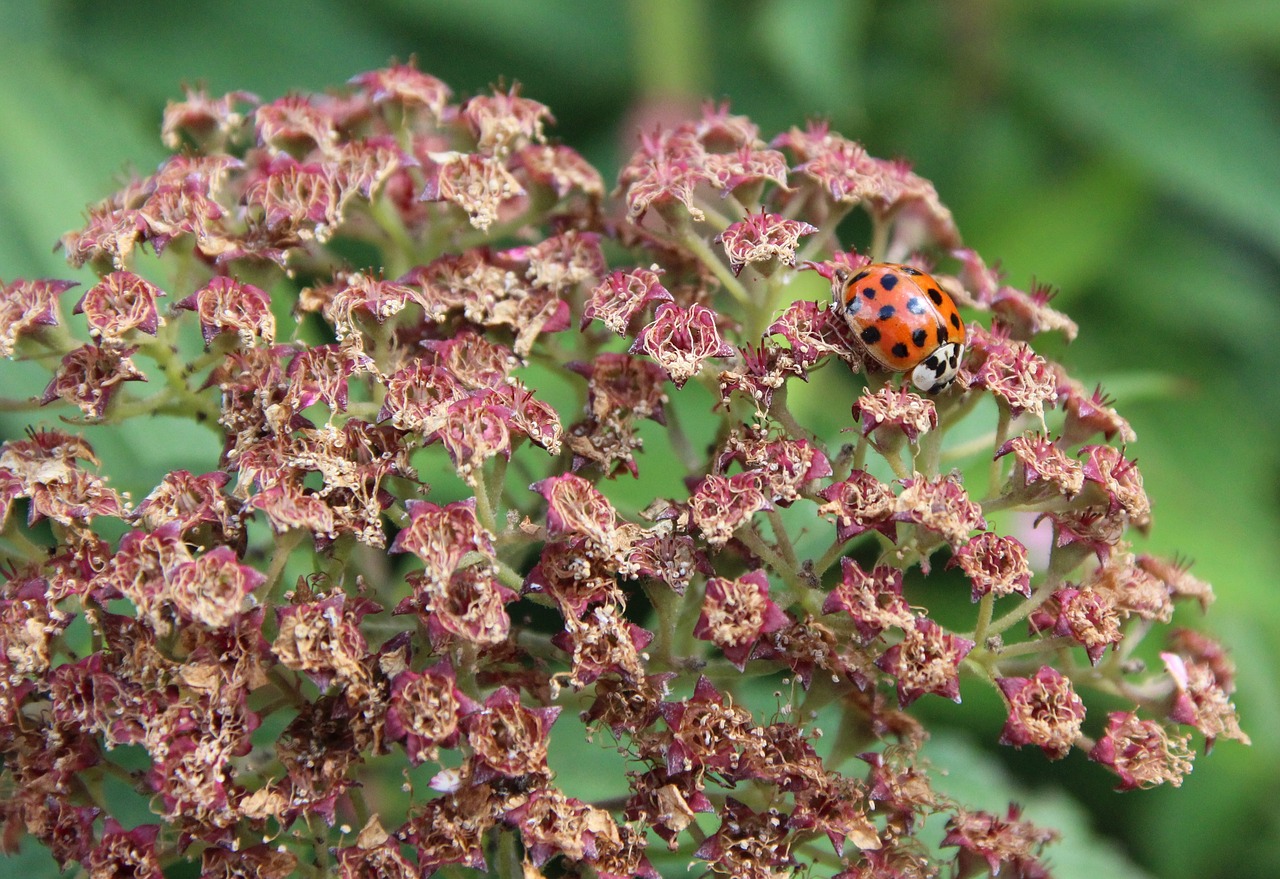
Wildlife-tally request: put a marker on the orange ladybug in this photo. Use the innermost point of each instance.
(906, 322)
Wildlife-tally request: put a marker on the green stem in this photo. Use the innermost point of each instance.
(1002, 433)
(985, 606)
(783, 539)
(1040, 645)
(1053, 578)
(860, 453)
(969, 447)
(834, 553)
(800, 594)
(484, 506)
(26, 548)
(827, 231)
(692, 240)
(8, 404)
(879, 238)
(284, 547)
(680, 441)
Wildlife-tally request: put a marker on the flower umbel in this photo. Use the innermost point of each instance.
(542, 476)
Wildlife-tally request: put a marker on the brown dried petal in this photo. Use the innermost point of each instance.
(27, 305)
(994, 564)
(723, 504)
(761, 239)
(681, 339)
(1142, 752)
(227, 305)
(1044, 711)
(890, 409)
(89, 377)
(118, 303)
(480, 185)
(940, 505)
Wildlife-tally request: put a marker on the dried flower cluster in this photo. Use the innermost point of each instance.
(396, 289)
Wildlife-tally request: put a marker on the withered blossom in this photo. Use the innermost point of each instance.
(210, 589)
(603, 642)
(322, 639)
(504, 119)
(1040, 463)
(1088, 617)
(663, 173)
(1178, 580)
(763, 240)
(25, 306)
(1117, 476)
(1021, 380)
(680, 340)
(939, 505)
(1201, 700)
(723, 504)
(205, 119)
(118, 303)
(872, 600)
(995, 565)
(737, 613)
(480, 185)
(507, 738)
(1142, 752)
(891, 410)
(425, 710)
(90, 376)
(926, 660)
(813, 334)
(858, 504)
(531, 418)
(560, 168)
(228, 305)
(622, 295)
(1008, 845)
(749, 845)
(1089, 414)
(1044, 711)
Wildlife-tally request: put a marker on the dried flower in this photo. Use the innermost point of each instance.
(927, 660)
(737, 613)
(1043, 711)
(626, 518)
(1142, 752)
(680, 340)
(762, 239)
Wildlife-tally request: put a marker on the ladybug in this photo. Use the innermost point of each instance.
(906, 321)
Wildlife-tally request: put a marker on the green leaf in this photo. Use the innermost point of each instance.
(977, 780)
(66, 144)
(1198, 126)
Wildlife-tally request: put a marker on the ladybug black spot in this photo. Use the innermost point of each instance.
(915, 305)
(899, 350)
(935, 294)
(869, 292)
(919, 337)
(888, 281)
(887, 311)
(870, 335)
(942, 335)
(858, 277)
(955, 320)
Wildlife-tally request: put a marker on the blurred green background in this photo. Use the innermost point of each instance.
(1124, 151)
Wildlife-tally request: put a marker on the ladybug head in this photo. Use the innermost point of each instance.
(936, 372)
